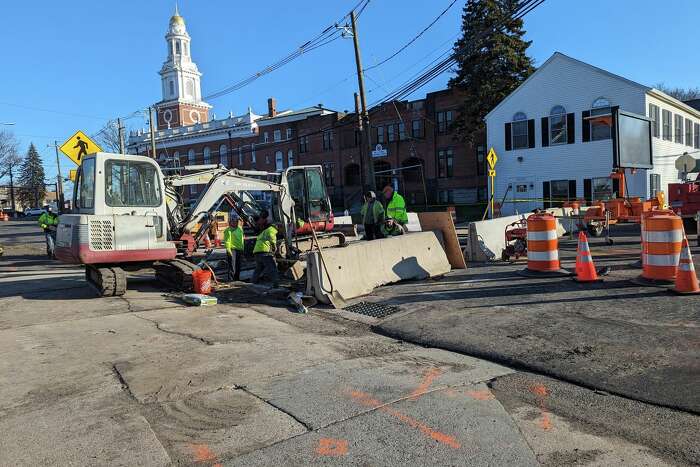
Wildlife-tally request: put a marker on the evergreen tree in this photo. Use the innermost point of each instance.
(492, 60)
(31, 178)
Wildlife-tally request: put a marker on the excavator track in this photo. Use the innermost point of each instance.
(107, 281)
(176, 273)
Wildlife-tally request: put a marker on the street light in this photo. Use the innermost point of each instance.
(7, 123)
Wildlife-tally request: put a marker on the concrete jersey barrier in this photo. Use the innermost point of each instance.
(360, 267)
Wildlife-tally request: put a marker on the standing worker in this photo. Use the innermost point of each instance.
(372, 216)
(234, 243)
(395, 205)
(264, 253)
(48, 221)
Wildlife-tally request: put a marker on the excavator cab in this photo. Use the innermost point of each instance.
(307, 188)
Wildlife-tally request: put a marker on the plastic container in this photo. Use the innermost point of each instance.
(201, 280)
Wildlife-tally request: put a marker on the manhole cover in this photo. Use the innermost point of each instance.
(375, 310)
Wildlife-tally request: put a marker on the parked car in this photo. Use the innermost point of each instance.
(34, 211)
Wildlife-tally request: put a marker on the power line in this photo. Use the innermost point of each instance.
(524, 7)
(415, 38)
(328, 35)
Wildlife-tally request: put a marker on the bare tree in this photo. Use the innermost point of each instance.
(9, 158)
(108, 137)
(682, 94)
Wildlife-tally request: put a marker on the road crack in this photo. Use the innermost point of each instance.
(201, 339)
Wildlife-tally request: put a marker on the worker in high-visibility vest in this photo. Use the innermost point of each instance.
(395, 205)
(372, 216)
(48, 221)
(264, 254)
(391, 228)
(234, 241)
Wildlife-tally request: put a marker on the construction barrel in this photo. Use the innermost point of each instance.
(662, 239)
(542, 243)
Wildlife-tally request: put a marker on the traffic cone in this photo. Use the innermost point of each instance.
(585, 269)
(686, 279)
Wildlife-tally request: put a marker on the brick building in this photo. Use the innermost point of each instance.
(413, 145)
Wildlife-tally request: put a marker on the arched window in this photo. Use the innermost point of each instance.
(177, 47)
(189, 88)
(223, 155)
(207, 155)
(176, 158)
(279, 161)
(190, 157)
(161, 157)
(185, 48)
(557, 125)
(601, 119)
(172, 88)
(519, 135)
(290, 158)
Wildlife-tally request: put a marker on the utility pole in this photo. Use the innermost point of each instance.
(120, 129)
(59, 184)
(361, 142)
(153, 132)
(366, 140)
(12, 194)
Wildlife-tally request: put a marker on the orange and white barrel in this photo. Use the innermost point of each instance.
(542, 243)
(662, 239)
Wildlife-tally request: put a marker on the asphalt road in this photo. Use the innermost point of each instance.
(144, 380)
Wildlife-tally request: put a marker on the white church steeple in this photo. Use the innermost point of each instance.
(180, 79)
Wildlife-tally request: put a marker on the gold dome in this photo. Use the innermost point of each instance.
(177, 19)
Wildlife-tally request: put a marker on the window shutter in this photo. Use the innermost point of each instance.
(588, 190)
(545, 132)
(509, 139)
(545, 195)
(531, 133)
(616, 188)
(570, 128)
(585, 126)
(572, 189)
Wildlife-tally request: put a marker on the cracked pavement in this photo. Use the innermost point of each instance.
(144, 380)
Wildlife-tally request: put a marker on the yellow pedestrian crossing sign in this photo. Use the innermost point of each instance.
(492, 158)
(78, 146)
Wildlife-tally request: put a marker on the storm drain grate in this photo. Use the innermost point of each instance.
(375, 310)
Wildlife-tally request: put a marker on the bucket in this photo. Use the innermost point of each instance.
(201, 280)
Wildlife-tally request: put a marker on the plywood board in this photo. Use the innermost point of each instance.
(442, 221)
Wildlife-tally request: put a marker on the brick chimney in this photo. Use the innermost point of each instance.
(271, 107)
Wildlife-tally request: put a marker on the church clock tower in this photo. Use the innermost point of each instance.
(182, 103)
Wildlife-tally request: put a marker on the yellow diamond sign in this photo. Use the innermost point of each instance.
(78, 146)
(492, 158)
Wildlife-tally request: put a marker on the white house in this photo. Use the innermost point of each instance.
(552, 135)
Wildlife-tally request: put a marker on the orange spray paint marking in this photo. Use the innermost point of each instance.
(428, 379)
(481, 395)
(540, 390)
(332, 447)
(202, 454)
(369, 401)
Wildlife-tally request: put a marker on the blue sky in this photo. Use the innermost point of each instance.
(83, 62)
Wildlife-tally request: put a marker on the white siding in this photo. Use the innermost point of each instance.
(666, 152)
(574, 85)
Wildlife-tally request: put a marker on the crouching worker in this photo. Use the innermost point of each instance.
(264, 253)
(391, 228)
(234, 243)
